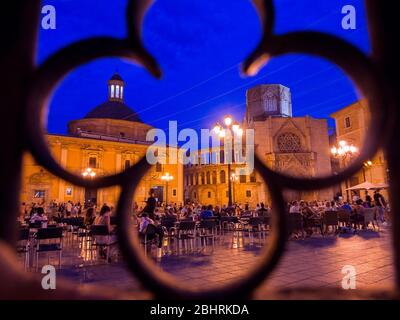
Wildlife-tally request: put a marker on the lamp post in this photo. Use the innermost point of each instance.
(167, 178)
(88, 173)
(221, 131)
(234, 179)
(344, 152)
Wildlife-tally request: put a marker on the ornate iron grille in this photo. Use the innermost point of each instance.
(25, 90)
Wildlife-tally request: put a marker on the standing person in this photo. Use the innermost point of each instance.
(380, 204)
(61, 210)
(75, 210)
(150, 204)
(262, 211)
(355, 197)
(79, 208)
(68, 208)
(368, 199)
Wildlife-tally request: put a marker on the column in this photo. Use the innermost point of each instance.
(61, 184)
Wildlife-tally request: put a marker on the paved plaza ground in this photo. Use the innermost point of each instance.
(313, 262)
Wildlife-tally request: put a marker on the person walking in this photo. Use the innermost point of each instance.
(151, 204)
(380, 204)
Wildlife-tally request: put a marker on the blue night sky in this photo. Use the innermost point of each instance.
(199, 45)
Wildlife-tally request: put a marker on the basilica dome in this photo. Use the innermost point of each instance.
(113, 110)
(112, 119)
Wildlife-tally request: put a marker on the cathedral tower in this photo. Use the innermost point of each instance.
(268, 100)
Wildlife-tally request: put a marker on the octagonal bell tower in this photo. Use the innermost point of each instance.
(268, 100)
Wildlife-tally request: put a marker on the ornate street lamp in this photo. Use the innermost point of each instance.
(89, 173)
(221, 131)
(344, 153)
(234, 178)
(167, 178)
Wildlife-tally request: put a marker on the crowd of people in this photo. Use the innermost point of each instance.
(196, 211)
(356, 207)
(152, 214)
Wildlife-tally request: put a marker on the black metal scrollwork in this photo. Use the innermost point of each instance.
(341, 53)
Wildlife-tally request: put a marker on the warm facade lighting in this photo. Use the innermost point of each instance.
(167, 177)
(89, 173)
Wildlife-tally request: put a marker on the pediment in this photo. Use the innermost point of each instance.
(290, 126)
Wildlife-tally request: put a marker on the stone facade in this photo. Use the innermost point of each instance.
(108, 140)
(105, 158)
(294, 146)
(297, 146)
(352, 123)
(208, 184)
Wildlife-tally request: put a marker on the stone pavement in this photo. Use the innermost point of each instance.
(314, 262)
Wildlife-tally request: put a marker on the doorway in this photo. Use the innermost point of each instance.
(90, 197)
(159, 193)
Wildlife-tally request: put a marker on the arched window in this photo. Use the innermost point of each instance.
(122, 92)
(127, 163)
(208, 177)
(197, 178)
(253, 177)
(222, 176)
(112, 91)
(214, 177)
(289, 142)
(202, 178)
(117, 91)
(92, 162)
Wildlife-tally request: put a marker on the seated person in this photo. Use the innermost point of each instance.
(310, 218)
(217, 212)
(346, 207)
(206, 212)
(39, 216)
(89, 216)
(246, 214)
(145, 222)
(188, 214)
(358, 215)
(169, 213)
(295, 207)
(104, 219)
(328, 207)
